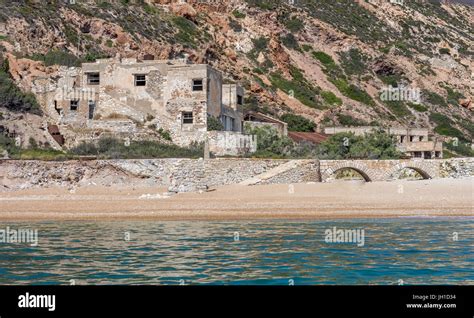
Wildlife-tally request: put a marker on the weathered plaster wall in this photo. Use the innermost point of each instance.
(231, 143)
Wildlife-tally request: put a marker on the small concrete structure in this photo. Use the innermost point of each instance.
(414, 142)
(256, 119)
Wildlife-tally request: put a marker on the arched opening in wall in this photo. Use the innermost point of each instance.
(409, 173)
(349, 174)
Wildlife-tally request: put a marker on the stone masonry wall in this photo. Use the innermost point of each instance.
(183, 175)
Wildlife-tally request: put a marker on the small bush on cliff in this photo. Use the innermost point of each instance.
(57, 57)
(13, 98)
(293, 24)
(348, 120)
(444, 126)
(297, 87)
(298, 123)
(353, 62)
(290, 41)
(238, 14)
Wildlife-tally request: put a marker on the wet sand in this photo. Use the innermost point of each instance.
(340, 199)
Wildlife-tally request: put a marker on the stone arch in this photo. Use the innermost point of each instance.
(424, 170)
(360, 168)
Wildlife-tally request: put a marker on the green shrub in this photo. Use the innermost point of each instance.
(353, 63)
(444, 126)
(12, 97)
(265, 4)
(330, 66)
(238, 14)
(269, 142)
(293, 24)
(347, 120)
(353, 92)
(165, 134)
(374, 145)
(298, 123)
(33, 152)
(112, 148)
(302, 90)
(391, 79)
(260, 44)
(418, 107)
(57, 58)
(187, 31)
(398, 108)
(443, 51)
(331, 98)
(324, 58)
(433, 98)
(214, 123)
(42, 154)
(453, 96)
(290, 41)
(462, 148)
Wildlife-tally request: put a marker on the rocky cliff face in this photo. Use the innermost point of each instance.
(327, 60)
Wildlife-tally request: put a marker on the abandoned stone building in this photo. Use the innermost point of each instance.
(127, 97)
(254, 119)
(414, 142)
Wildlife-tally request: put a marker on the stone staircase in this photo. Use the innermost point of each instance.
(292, 164)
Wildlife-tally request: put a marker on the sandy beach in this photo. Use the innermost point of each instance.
(340, 199)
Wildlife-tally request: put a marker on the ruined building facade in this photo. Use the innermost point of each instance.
(128, 97)
(413, 142)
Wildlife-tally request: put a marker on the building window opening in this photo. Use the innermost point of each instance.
(187, 117)
(240, 100)
(412, 138)
(140, 80)
(74, 105)
(91, 109)
(417, 154)
(197, 85)
(56, 108)
(93, 78)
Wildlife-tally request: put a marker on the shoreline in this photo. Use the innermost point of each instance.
(335, 200)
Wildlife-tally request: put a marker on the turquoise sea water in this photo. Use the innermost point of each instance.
(282, 252)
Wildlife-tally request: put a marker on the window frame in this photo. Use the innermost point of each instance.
(75, 107)
(195, 86)
(185, 118)
(89, 74)
(136, 80)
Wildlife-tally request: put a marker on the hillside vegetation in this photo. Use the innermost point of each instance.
(325, 61)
